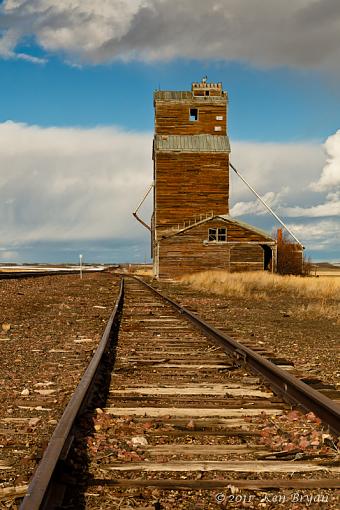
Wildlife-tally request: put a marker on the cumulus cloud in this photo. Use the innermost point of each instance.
(288, 175)
(299, 181)
(302, 34)
(329, 208)
(61, 184)
(65, 186)
(276, 201)
(272, 199)
(280, 170)
(330, 176)
(319, 236)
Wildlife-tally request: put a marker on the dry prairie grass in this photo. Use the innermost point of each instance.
(324, 293)
(221, 283)
(144, 272)
(251, 283)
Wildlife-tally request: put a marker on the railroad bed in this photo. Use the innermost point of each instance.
(184, 427)
(49, 329)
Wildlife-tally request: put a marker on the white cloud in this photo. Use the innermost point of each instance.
(319, 236)
(330, 176)
(256, 207)
(285, 169)
(292, 173)
(63, 185)
(70, 183)
(8, 42)
(302, 34)
(330, 208)
(30, 58)
(299, 185)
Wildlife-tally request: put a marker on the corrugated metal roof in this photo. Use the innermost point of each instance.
(180, 95)
(193, 143)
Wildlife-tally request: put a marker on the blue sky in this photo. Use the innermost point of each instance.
(76, 116)
(265, 105)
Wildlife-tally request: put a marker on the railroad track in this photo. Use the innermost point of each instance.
(47, 339)
(184, 422)
(17, 275)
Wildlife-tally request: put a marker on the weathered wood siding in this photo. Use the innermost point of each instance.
(238, 233)
(190, 184)
(189, 251)
(246, 257)
(185, 253)
(172, 118)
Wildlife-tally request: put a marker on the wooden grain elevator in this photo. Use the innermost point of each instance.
(191, 227)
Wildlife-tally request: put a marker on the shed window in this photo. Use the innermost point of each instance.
(218, 128)
(217, 234)
(193, 114)
(222, 234)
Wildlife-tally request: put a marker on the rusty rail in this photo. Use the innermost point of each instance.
(40, 490)
(290, 388)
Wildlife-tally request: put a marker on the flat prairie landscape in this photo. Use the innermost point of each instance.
(335, 273)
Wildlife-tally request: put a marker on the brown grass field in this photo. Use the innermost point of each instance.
(323, 294)
(320, 271)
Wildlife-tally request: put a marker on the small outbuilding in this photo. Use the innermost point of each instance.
(216, 242)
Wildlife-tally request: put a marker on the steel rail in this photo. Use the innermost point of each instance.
(39, 486)
(291, 389)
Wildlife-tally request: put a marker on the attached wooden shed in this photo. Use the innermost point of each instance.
(218, 242)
